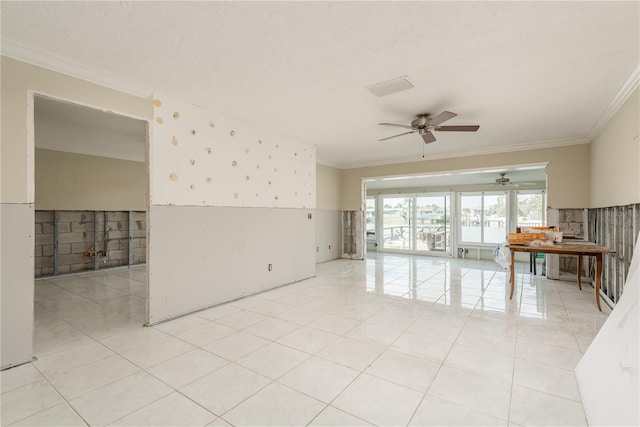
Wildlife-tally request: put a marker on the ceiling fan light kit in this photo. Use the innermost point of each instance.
(425, 124)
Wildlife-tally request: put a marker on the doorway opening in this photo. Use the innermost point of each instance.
(448, 213)
(91, 228)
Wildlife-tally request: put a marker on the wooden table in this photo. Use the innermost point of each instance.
(565, 249)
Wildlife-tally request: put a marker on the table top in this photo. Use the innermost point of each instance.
(563, 248)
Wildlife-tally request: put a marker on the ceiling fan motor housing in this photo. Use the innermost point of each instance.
(420, 122)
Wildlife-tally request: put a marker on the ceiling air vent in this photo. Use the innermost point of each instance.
(391, 86)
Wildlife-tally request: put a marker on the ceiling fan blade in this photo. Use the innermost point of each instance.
(395, 136)
(393, 124)
(428, 137)
(441, 118)
(461, 128)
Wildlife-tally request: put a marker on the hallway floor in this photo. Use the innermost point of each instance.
(394, 340)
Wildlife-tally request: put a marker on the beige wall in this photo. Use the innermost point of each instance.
(79, 182)
(615, 158)
(567, 173)
(17, 79)
(328, 188)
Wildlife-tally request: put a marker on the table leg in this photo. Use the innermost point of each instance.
(512, 273)
(598, 278)
(580, 272)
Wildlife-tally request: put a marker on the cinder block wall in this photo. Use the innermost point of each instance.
(572, 221)
(43, 254)
(77, 236)
(139, 237)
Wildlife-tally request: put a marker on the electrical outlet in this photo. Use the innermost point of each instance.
(270, 267)
(317, 248)
(329, 247)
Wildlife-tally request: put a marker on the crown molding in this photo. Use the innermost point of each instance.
(20, 52)
(535, 145)
(621, 97)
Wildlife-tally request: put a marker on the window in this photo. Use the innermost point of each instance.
(531, 208)
(483, 217)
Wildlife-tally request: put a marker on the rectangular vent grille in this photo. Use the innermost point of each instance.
(391, 86)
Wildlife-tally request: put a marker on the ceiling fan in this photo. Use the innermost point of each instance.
(424, 124)
(506, 182)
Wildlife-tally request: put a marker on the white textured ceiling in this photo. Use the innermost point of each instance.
(529, 73)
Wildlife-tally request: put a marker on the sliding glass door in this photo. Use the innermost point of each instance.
(397, 229)
(417, 223)
(433, 223)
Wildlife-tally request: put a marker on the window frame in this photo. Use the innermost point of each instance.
(507, 217)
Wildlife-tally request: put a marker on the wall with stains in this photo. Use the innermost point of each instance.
(200, 158)
(231, 211)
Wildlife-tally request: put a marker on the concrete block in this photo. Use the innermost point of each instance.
(135, 243)
(81, 226)
(64, 227)
(64, 248)
(44, 216)
(116, 225)
(70, 259)
(47, 250)
(139, 252)
(117, 255)
(124, 244)
(113, 245)
(37, 250)
(80, 248)
(37, 272)
(139, 216)
(44, 239)
(139, 224)
(138, 233)
(64, 269)
(118, 216)
(76, 216)
(43, 261)
(117, 234)
(72, 237)
(46, 271)
(47, 228)
(37, 228)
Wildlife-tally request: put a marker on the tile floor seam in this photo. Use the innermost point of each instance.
(549, 394)
(61, 396)
(353, 296)
(424, 395)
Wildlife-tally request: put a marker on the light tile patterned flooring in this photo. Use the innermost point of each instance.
(394, 340)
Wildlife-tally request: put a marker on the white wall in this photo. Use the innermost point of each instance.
(203, 256)
(608, 373)
(17, 291)
(227, 199)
